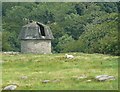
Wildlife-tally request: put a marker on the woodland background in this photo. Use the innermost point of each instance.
(77, 27)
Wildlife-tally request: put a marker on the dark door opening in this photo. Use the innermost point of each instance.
(42, 30)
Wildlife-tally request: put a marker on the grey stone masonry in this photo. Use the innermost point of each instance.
(36, 38)
(36, 46)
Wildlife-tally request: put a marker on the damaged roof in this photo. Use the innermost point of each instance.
(35, 30)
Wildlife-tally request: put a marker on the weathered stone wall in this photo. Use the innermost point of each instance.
(36, 46)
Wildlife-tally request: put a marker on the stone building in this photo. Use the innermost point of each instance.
(35, 38)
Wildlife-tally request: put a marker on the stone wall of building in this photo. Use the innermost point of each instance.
(36, 46)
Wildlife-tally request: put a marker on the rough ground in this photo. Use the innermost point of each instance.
(55, 72)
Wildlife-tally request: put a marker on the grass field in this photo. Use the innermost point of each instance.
(63, 73)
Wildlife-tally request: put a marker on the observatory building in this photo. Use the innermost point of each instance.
(35, 38)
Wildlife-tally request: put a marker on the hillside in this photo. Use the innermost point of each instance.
(90, 27)
(29, 71)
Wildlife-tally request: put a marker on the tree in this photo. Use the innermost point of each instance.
(61, 46)
(97, 35)
(81, 27)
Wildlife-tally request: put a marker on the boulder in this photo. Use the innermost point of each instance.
(45, 81)
(10, 87)
(104, 77)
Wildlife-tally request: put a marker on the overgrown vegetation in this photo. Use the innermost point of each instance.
(81, 27)
(63, 73)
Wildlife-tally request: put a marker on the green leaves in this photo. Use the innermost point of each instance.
(101, 38)
(83, 27)
(62, 42)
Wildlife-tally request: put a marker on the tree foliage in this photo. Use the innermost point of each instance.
(82, 27)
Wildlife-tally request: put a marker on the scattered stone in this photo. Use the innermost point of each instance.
(10, 87)
(111, 77)
(24, 77)
(45, 81)
(11, 53)
(104, 77)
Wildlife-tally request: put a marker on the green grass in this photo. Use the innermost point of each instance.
(56, 66)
